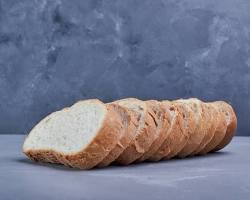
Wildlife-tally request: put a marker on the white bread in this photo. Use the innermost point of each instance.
(231, 119)
(190, 126)
(145, 133)
(210, 128)
(201, 125)
(162, 120)
(128, 134)
(91, 133)
(176, 134)
(220, 131)
(79, 136)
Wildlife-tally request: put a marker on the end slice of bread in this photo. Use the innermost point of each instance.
(145, 133)
(176, 134)
(79, 136)
(231, 119)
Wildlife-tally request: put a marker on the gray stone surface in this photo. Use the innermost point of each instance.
(55, 52)
(222, 175)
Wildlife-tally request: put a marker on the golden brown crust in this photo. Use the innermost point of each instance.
(162, 120)
(211, 122)
(42, 156)
(190, 127)
(129, 127)
(195, 107)
(143, 139)
(231, 127)
(94, 153)
(177, 137)
(161, 135)
(220, 131)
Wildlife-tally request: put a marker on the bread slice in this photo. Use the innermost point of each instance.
(162, 120)
(191, 122)
(231, 119)
(128, 134)
(220, 131)
(210, 112)
(176, 134)
(145, 133)
(79, 136)
(201, 130)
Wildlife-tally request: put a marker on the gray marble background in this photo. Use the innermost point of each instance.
(55, 52)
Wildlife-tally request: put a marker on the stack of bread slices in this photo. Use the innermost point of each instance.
(91, 133)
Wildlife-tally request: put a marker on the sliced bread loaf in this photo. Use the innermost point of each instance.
(176, 134)
(162, 121)
(211, 127)
(79, 136)
(145, 133)
(220, 131)
(190, 126)
(130, 125)
(231, 119)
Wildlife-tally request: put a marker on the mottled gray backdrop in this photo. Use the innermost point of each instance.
(55, 52)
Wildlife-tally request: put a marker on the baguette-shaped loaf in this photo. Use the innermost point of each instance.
(93, 134)
(79, 136)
